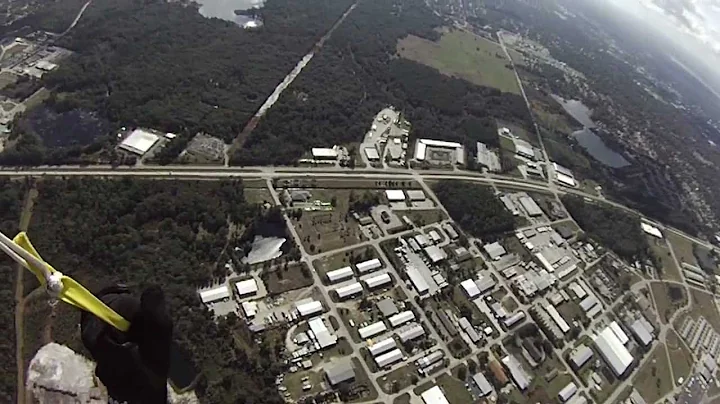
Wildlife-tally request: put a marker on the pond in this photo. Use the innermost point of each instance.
(599, 150)
(225, 10)
(577, 110)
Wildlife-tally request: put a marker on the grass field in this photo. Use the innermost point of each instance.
(665, 305)
(399, 378)
(653, 380)
(682, 247)
(463, 55)
(454, 389)
(424, 217)
(704, 304)
(680, 358)
(280, 281)
(343, 259)
(660, 248)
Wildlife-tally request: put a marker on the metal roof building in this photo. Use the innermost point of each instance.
(514, 319)
(642, 332)
(482, 384)
(377, 280)
(372, 330)
(215, 294)
(340, 372)
(308, 307)
(494, 250)
(340, 274)
(387, 307)
(613, 351)
(470, 288)
(435, 254)
(349, 290)
(435, 236)
(561, 323)
(589, 302)
(139, 142)
(518, 374)
(429, 359)
(530, 206)
(395, 195)
(401, 318)
(619, 333)
(418, 281)
(246, 287)
(567, 392)
(580, 400)
(388, 358)
(580, 355)
(485, 283)
(383, 346)
(450, 231)
(250, 309)
(372, 154)
(322, 153)
(412, 332)
(434, 396)
(422, 240)
(416, 194)
(469, 329)
(322, 333)
(369, 265)
(578, 290)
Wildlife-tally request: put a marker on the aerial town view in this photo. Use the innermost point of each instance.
(386, 201)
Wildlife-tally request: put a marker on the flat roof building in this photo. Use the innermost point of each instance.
(215, 294)
(340, 372)
(389, 358)
(372, 154)
(494, 250)
(322, 333)
(401, 318)
(580, 355)
(518, 374)
(450, 231)
(349, 290)
(482, 384)
(435, 254)
(470, 287)
(372, 330)
(369, 265)
(530, 206)
(642, 331)
(411, 332)
(434, 236)
(387, 307)
(308, 307)
(324, 153)
(418, 281)
(416, 195)
(613, 351)
(377, 280)
(246, 287)
(434, 396)
(139, 141)
(250, 309)
(524, 149)
(340, 274)
(383, 346)
(395, 195)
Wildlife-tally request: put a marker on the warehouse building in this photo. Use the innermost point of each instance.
(387, 307)
(401, 318)
(469, 330)
(372, 330)
(561, 323)
(435, 254)
(416, 195)
(308, 307)
(340, 274)
(567, 392)
(325, 153)
(369, 265)
(518, 374)
(139, 142)
(383, 346)
(377, 280)
(341, 372)
(532, 208)
(434, 396)
(580, 355)
(429, 359)
(389, 358)
(411, 332)
(321, 333)
(422, 145)
(246, 287)
(372, 154)
(395, 195)
(349, 290)
(514, 319)
(524, 149)
(250, 309)
(494, 250)
(619, 333)
(563, 175)
(215, 294)
(643, 332)
(482, 384)
(450, 230)
(470, 287)
(613, 351)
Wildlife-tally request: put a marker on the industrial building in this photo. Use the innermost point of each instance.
(325, 153)
(372, 154)
(470, 287)
(450, 230)
(411, 332)
(250, 309)
(580, 355)
(430, 358)
(369, 265)
(498, 373)
(567, 392)
(435, 254)
(434, 395)
(321, 333)
(383, 346)
(482, 384)
(524, 149)
(340, 274)
(434, 236)
(514, 319)
(563, 175)
(395, 195)
(643, 332)
(214, 294)
(308, 307)
(518, 374)
(418, 281)
(401, 318)
(469, 330)
(494, 250)
(422, 145)
(341, 372)
(619, 333)
(416, 195)
(561, 323)
(139, 142)
(387, 307)
(487, 158)
(613, 351)
(349, 290)
(377, 280)
(389, 358)
(532, 208)
(372, 330)
(246, 287)
(422, 240)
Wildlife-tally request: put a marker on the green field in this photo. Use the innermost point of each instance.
(463, 55)
(653, 380)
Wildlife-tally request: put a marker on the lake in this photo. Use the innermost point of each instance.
(577, 110)
(595, 146)
(225, 10)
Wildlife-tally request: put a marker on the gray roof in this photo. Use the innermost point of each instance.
(482, 384)
(387, 307)
(340, 372)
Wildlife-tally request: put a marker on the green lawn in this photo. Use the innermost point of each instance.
(464, 55)
(653, 380)
(454, 389)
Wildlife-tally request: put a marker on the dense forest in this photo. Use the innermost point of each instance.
(616, 229)
(12, 194)
(357, 73)
(163, 65)
(476, 208)
(165, 232)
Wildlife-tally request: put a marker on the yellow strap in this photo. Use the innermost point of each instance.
(74, 293)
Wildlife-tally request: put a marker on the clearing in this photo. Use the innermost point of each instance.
(680, 358)
(343, 259)
(703, 304)
(463, 55)
(682, 247)
(668, 299)
(660, 248)
(454, 389)
(653, 380)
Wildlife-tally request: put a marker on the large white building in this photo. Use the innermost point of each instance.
(340, 274)
(308, 307)
(349, 290)
(401, 318)
(383, 346)
(246, 287)
(377, 280)
(422, 145)
(372, 330)
(613, 351)
(324, 153)
(411, 332)
(369, 265)
(214, 294)
(389, 358)
(139, 141)
(322, 334)
(434, 396)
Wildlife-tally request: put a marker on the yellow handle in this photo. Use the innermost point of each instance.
(74, 293)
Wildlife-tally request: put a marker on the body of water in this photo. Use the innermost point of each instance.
(577, 110)
(225, 9)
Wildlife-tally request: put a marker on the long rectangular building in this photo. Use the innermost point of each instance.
(561, 323)
(401, 318)
(372, 330)
(340, 274)
(613, 351)
(349, 290)
(383, 346)
(370, 265)
(377, 280)
(414, 331)
(615, 327)
(388, 358)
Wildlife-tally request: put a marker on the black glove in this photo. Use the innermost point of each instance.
(133, 365)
